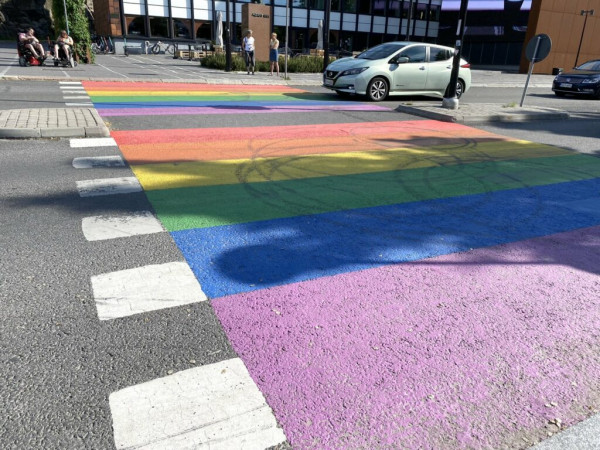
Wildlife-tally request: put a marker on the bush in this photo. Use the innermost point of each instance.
(298, 64)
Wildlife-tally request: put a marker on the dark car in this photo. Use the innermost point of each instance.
(582, 80)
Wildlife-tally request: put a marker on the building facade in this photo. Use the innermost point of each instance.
(572, 28)
(354, 24)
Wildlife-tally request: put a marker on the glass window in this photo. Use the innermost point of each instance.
(379, 7)
(364, 6)
(203, 30)
(416, 54)
(136, 25)
(181, 28)
(298, 3)
(439, 54)
(405, 9)
(317, 4)
(421, 11)
(382, 51)
(350, 6)
(159, 27)
(335, 5)
(434, 13)
(394, 8)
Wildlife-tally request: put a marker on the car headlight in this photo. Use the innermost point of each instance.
(353, 71)
(591, 80)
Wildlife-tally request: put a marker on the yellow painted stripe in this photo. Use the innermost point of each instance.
(234, 171)
(93, 93)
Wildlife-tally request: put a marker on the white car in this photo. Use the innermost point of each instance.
(397, 68)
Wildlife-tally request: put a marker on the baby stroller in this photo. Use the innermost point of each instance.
(26, 57)
(61, 59)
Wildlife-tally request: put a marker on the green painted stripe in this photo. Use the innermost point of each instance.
(202, 207)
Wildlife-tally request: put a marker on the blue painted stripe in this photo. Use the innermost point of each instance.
(245, 257)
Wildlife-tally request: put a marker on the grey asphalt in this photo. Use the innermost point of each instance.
(58, 362)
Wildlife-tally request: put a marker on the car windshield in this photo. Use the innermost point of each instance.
(590, 65)
(381, 51)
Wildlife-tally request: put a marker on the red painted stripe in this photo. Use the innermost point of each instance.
(153, 86)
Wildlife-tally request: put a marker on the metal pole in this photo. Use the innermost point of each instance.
(287, 44)
(450, 101)
(326, 34)
(531, 64)
(583, 13)
(66, 18)
(227, 39)
(408, 20)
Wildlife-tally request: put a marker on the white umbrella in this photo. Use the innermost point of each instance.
(219, 32)
(320, 36)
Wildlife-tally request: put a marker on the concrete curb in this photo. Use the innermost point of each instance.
(473, 114)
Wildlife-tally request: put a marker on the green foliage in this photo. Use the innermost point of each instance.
(79, 27)
(298, 64)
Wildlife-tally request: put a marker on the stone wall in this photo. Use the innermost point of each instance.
(15, 15)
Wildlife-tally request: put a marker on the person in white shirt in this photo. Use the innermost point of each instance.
(248, 46)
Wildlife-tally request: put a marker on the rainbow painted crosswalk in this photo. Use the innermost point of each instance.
(387, 284)
(156, 99)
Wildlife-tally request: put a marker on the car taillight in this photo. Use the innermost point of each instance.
(465, 66)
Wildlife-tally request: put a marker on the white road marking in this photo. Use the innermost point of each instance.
(92, 142)
(97, 228)
(72, 87)
(73, 91)
(113, 71)
(143, 289)
(79, 104)
(108, 186)
(76, 97)
(69, 82)
(216, 406)
(90, 162)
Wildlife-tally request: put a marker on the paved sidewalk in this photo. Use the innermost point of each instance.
(51, 123)
(478, 113)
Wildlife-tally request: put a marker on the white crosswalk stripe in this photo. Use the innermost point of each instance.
(92, 142)
(216, 406)
(97, 228)
(89, 162)
(108, 186)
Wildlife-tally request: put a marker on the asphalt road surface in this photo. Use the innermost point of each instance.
(278, 266)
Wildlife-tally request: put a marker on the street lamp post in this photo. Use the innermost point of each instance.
(67, 19)
(586, 13)
(227, 39)
(450, 100)
(327, 15)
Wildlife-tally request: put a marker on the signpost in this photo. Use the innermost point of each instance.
(537, 49)
(450, 101)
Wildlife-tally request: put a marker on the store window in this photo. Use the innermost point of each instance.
(405, 9)
(181, 28)
(316, 4)
(364, 6)
(434, 13)
(349, 6)
(394, 8)
(159, 27)
(203, 30)
(136, 25)
(379, 8)
(421, 12)
(299, 3)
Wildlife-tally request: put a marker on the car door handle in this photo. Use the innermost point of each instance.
(448, 67)
(422, 68)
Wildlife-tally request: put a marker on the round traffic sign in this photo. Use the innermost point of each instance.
(538, 48)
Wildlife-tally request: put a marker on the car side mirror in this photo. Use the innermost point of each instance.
(399, 60)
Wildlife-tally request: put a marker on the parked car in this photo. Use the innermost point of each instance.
(582, 80)
(397, 68)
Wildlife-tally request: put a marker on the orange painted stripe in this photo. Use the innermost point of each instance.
(401, 130)
(150, 86)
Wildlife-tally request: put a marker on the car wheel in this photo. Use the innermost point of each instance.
(55, 63)
(559, 94)
(460, 89)
(378, 89)
(22, 61)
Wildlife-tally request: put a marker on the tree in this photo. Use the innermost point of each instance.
(79, 26)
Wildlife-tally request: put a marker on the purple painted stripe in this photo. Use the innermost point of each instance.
(478, 349)
(107, 112)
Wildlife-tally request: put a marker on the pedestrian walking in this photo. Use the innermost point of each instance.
(274, 53)
(248, 46)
